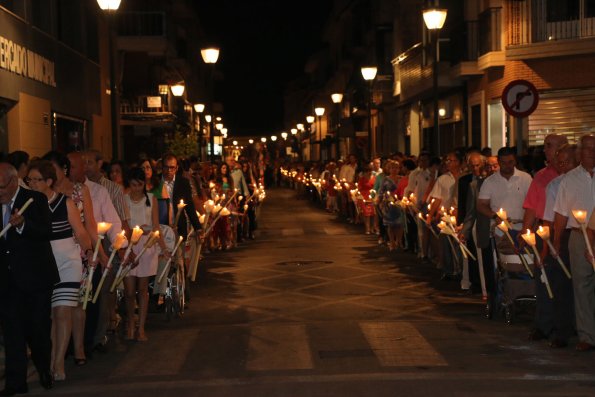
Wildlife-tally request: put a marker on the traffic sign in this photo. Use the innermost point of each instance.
(520, 98)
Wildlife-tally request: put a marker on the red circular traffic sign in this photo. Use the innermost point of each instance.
(520, 98)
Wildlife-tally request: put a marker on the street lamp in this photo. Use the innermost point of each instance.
(210, 56)
(369, 74)
(263, 139)
(273, 138)
(337, 98)
(284, 135)
(110, 7)
(250, 141)
(434, 19)
(319, 113)
(178, 89)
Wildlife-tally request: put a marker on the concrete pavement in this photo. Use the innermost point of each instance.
(314, 307)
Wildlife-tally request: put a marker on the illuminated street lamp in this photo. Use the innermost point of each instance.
(369, 74)
(199, 107)
(319, 113)
(235, 143)
(434, 20)
(210, 55)
(219, 126)
(310, 119)
(250, 141)
(294, 131)
(273, 138)
(263, 139)
(110, 7)
(178, 89)
(300, 126)
(284, 135)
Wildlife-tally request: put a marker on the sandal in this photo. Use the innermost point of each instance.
(80, 361)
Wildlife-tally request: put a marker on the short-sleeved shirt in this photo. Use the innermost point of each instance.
(592, 221)
(551, 191)
(419, 179)
(444, 189)
(576, 193)
(536, 195)
(508, 194)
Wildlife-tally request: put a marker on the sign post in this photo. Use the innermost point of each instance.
(520, 98)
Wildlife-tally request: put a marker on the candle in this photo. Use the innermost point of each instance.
(502, 214)
(180, 206)
(116, 245)
(166, 267)
(137, 232)
(503, 226)
(581, 218)
(102, 228)
(20, 212)
(530, 240)
(544, 233)
(209, 206)
(201, 219)
(225, 212)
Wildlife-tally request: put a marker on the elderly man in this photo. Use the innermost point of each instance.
(28, 273)
(534, 206)
(554, 318)
(577, 193)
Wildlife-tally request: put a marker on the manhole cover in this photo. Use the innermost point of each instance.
(303, 263)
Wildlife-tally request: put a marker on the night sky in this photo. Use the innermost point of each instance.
(264, 44)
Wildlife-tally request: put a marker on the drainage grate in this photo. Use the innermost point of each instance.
(302, 263)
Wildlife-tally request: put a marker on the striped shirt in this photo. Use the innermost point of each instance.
(117, 196)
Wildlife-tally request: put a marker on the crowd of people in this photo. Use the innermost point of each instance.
(458, 212)
(68, 221)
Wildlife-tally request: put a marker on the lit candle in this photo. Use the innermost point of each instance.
(209, 206)
(502, 214)
(225, 212)
(503, 227)
(581, 218)
(102, 228)
(166, 267)
(530, 240)
(137, 232)
(180, 206)
(116, 245)
(544, 233)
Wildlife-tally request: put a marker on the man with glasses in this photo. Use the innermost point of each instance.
(28, 273)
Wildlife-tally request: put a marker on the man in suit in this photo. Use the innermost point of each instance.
(178, 188)
(28, 273)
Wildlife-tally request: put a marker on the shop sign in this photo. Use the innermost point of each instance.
(153, 101)
(20, 60)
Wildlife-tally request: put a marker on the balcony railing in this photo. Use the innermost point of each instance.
(545, 20)
(141, 24)
(490, 32)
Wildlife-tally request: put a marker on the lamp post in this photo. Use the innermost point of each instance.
(337, 98)
(110, 7)
(434, 19)
(199, 108)
(369, 74)
(210, 56)
(319, 113)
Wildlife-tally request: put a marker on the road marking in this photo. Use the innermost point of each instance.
(292, 232)
(399, 344)
(169, 353)
(279, 347)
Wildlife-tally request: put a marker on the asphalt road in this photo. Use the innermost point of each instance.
(313, 307)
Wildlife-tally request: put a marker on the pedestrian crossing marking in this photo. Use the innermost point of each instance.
(279, 347)
(169, 354)
(399, 344)
(292, 232)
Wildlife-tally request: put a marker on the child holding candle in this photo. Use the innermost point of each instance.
(143, 212)
(66, 223)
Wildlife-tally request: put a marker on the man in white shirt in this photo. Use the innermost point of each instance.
(577, 192)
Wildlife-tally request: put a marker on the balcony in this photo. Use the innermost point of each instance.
(490, 39)
(142, 32)
(465, 50)
(546, 28)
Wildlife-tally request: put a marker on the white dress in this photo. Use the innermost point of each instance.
(140, 215)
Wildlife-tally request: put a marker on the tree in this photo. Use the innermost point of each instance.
(183, 144)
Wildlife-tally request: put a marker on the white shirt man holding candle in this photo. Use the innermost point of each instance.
(577, 192)
(554, 318)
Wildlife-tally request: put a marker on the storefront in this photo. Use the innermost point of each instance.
(49, 93)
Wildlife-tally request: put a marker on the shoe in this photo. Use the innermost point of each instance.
(130, 335)
(536, 335)
(80, 361)
(584, 347)
(46, 380)
(141, 337)
(558, 344)
(58, 377)
(11, 391)
(100, 348)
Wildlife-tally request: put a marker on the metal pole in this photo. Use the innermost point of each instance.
(212, 137)
(319, 138)
(435, 92)
(199, 135)
(113, 89)
(337, 143)
(370, 120)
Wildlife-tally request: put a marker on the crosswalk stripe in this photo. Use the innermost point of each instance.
(279, 347)
(169, 353)
(399, 344)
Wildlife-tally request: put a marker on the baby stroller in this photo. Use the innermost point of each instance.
(514, 286)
